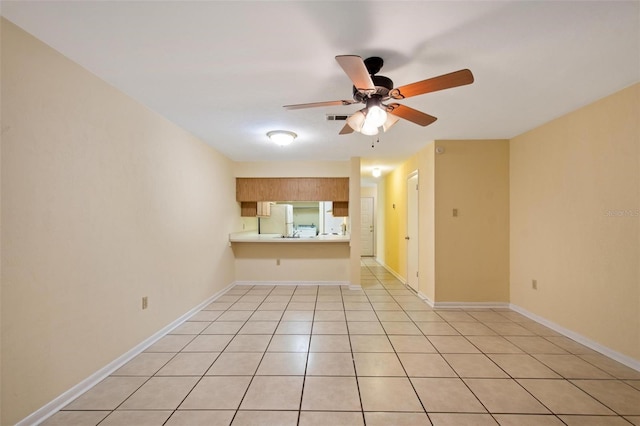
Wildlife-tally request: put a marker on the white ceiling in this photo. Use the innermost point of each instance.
(224, 69)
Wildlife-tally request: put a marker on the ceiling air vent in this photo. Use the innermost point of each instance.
(334, 117)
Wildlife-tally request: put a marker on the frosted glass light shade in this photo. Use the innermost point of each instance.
(376, 116)
(368, 130)
(356, 120)
(281, 137)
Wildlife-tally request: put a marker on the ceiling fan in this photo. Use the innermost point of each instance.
(372, 90)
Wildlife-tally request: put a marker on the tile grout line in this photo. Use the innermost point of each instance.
(403, 308)
(213, 362)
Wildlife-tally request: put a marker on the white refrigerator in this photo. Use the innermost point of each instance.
(279, 222)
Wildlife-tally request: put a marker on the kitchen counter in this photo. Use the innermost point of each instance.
(253, 237)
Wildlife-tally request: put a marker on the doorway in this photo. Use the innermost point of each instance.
(412, 231)
(366, 226)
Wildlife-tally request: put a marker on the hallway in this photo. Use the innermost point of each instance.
(327, 355)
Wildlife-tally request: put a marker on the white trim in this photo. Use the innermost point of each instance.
(303, 283)
(470, 305)
(425, 298)
(392, 272)
(65, 398)
(617, 356)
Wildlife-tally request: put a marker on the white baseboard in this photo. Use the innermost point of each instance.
(470, 305)
(617, 356)
(302, 283)
(56, 404)
(392, 272)
(425, 298)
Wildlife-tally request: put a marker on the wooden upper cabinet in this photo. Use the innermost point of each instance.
(246, 190)
(308, 189)
(292, 189)
(337, 190)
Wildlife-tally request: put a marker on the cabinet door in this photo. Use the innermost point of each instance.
(288, 189)
(246, 190)
(341, 208)
(309, 189)
(337, 189)
(248, 208)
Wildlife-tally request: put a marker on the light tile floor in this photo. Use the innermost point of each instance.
(309, 355)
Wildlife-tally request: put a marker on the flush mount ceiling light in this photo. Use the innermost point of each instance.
(376, 172)
(281, 137)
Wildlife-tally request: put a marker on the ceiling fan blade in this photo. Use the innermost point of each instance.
(346, 130)
(446, 81)
(319, 104)
(355, 68)
(391, 120)
(410, 114)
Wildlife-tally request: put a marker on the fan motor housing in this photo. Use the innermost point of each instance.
(383, 87)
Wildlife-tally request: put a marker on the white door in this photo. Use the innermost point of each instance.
(366, 226)
(412, 231)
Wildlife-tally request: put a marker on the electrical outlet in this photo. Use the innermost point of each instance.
(278, 262)
(455, 212)
(145, 302)
(534, 284)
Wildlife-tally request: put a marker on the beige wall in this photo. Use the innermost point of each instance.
(103, 202)
(292, 169)
(575, 198)
(427, 222)
(292, 262)
(472, 249)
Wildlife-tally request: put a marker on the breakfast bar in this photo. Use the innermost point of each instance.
(272, 259)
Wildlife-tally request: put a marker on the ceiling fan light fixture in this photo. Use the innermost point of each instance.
(356, 120)
(376, 117)
(368, 129)
(281, 137)
(376, 114)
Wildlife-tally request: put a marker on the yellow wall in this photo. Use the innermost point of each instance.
(103, 202)
(472, 249)
(575, 226)
(353, 226)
